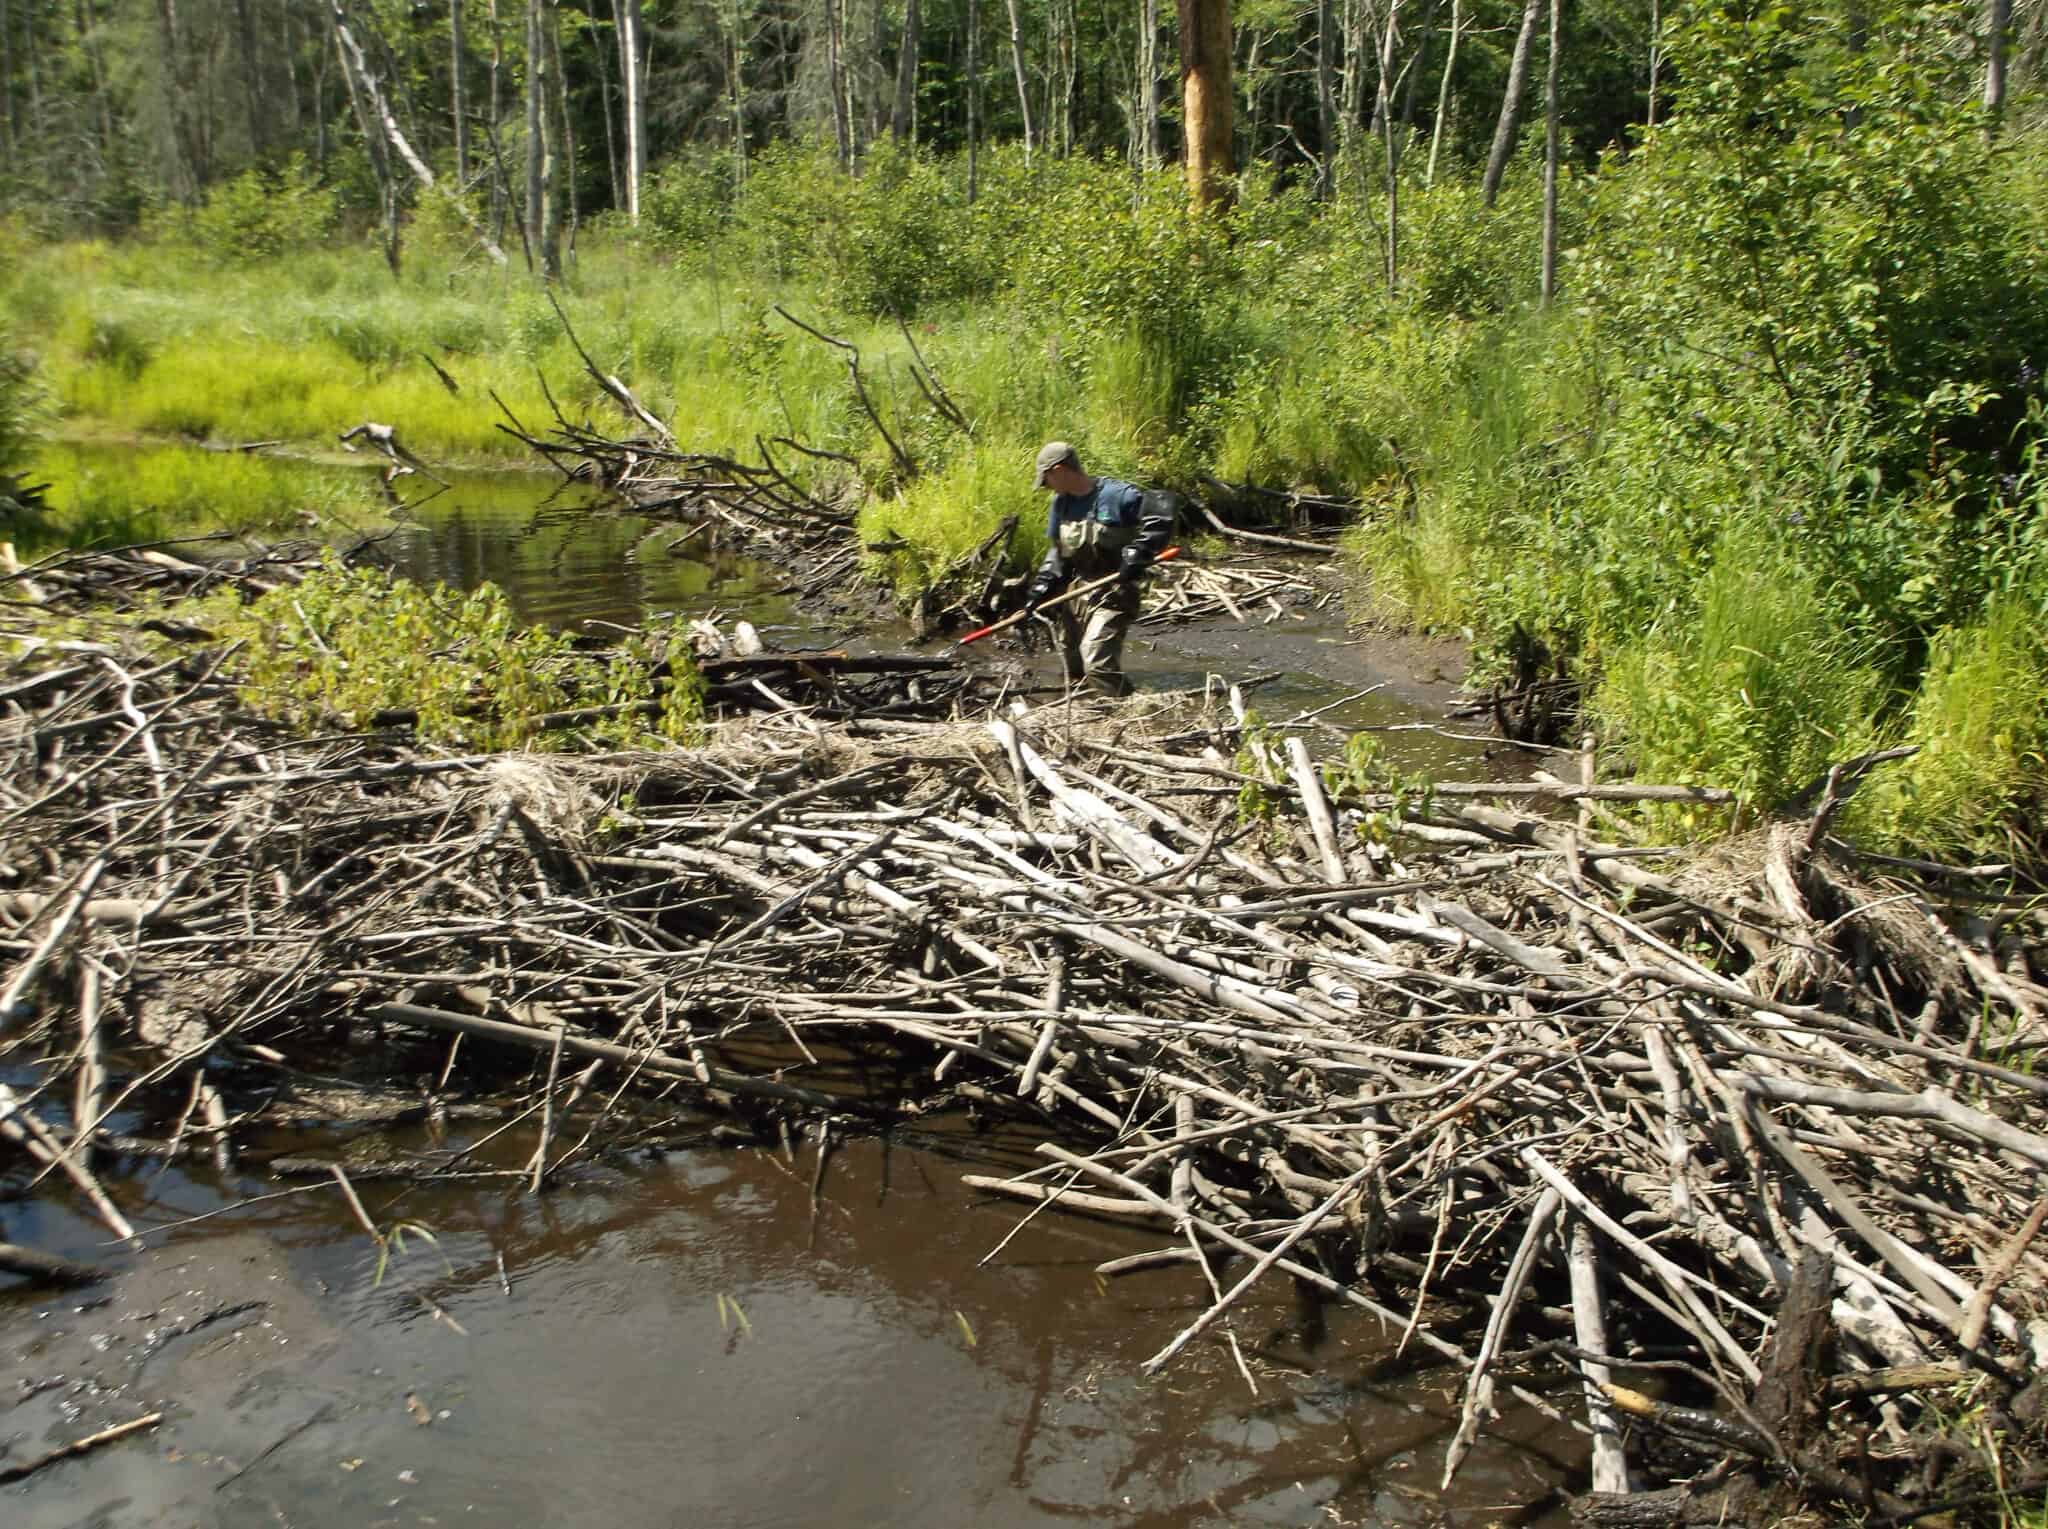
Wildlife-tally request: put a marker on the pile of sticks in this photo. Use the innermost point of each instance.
(1763, 1137)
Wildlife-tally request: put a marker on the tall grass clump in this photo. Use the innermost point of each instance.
(931, 525)
(1759, 688)
(1979, 785)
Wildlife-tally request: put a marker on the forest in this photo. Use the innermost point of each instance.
(1686, 362)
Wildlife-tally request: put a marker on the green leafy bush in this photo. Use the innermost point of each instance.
(256, 216)
(348, 644)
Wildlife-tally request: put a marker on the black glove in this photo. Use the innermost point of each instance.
(1132, 568)
(1040, 593)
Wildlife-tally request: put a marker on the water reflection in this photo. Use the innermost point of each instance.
(565, 555)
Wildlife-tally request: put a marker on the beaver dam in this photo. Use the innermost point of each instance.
(1733, 1163)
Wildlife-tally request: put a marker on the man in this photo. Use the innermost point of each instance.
(1095, 527)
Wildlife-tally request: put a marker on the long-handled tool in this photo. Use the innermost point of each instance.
(1073, 594)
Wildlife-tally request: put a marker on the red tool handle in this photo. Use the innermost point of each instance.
(1073, 594)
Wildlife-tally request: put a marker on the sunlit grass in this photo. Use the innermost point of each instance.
(103, 496)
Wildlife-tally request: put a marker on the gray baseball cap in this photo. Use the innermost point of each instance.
(1051, 455)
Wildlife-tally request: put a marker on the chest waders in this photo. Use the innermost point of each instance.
(1091, 631)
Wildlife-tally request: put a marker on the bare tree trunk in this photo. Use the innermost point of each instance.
(1351, 84)
(320, 107)
(253, 102)
(973, 98)
(96, 71)
(374, 145)
(1206, 106)
(736, 96)
(10, 106)
(536, 75)
(1443, 94)
(184, 167)
(1656, 59)
(458, 101)
(1326, 103)
(501, 190)
(1148, 85)
(835, 71)
(1023, 85)
(1550, 154)
(606, 96)
(563, 145)
(1390, 139)
(1997, 24)
(289, 29)
(1510, 105)
(903, 118)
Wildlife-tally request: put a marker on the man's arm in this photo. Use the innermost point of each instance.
(1156, 511)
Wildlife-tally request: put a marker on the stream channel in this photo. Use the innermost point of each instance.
(705, 1334)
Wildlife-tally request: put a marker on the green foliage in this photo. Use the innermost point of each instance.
(256, 216)
(1758, 689)
(347, 645)
(933, 523)
(1385, 793)
(21, 407)
(1979, 784)
(98, 495)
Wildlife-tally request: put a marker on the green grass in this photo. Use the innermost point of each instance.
(112, 495)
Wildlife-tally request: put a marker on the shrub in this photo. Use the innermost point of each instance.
(346, 644)
(257, 216)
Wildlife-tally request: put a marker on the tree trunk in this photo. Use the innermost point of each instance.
(536, 78)
(96, 70)
(1443, 94)
(374, 145)
(1656, 59)
(1023, 85)
(10, 107)
(835, 75)
(736, 98)
(1148, 85)
(1390, 140)
(1550, 154)
(1206, 106)
(184, 166)
(253, 102)
(1510, 105)
(903, 118)
(1997, 24)
(1326, 103)
(973, 97)
(633, 80)
(563, 146)
(1351, 83)
(458, 102)
(501, 189)
(606, 98)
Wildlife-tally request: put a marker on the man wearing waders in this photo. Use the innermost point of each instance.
(1096, 527)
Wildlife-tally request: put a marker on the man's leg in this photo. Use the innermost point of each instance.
(1102, 642)
(1066, 636)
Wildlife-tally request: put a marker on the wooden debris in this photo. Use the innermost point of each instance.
(859, 907)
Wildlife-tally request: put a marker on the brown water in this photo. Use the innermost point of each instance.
(893, 1366)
